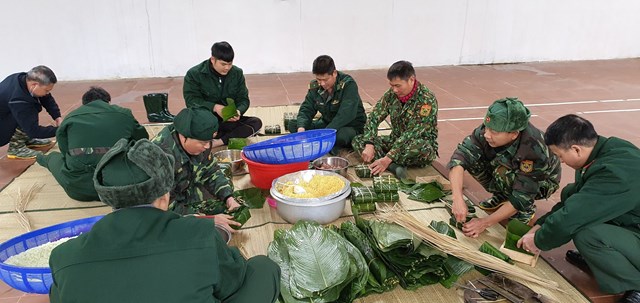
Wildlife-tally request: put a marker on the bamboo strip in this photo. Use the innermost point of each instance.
(22, 200)
(458, 249)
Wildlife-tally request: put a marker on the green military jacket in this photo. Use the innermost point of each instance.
(83, 138)
(144, 254)
(193, 173)
(203, 87)
(606, 190)
(414, 124)
(343, 108)
(519, 169)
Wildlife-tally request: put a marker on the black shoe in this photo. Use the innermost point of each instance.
(574, 257)
(632, 296)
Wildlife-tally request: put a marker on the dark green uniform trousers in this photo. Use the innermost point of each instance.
(612, 254)
(261, 276)
(344, 135)
(78, 187)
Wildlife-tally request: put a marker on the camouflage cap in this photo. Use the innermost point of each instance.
(133, 173)
(507, 115)
(196, 123)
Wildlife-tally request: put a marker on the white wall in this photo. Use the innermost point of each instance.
(104, 39)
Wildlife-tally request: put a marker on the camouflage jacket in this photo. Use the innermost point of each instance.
(518, 169)
(344, 108)
(414, 124)
(193, 172)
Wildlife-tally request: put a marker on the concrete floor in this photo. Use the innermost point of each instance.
(605, 92)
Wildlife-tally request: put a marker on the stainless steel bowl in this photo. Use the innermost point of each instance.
(224, 233)
(305, 175)
(238, 166)
(323, 211)
(337, 165)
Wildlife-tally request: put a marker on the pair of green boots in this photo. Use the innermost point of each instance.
(157, 107)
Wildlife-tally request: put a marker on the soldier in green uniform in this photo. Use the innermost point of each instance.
(200, 184)
(143, 253)
(335, 96)
(212, 84)
(84, 137)
(507, 155)
(600, 211)
(413, 110)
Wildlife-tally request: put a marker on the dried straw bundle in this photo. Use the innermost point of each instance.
(22, 199)
(458, 249)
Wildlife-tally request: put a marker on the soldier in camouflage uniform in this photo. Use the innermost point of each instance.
(335, 96)
(413, 110)
(200, 185)
(508, 156)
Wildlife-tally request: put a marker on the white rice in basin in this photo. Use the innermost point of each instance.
(37, 256)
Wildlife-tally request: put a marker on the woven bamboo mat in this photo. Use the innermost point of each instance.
(49, 205)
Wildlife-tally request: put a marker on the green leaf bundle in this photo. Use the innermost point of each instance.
(230, 110)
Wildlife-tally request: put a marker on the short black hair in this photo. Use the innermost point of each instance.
(96, 93)
(222, 51)
(323, 65)
(42, 74)
(571, 130)
(401, 69)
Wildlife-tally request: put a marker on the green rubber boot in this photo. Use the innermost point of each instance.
(156, 105)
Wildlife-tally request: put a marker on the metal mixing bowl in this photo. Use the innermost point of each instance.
(337, 165)
(306, 175)
(238, 166)
(224, 233)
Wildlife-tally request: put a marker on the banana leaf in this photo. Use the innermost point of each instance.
(515, 230)
(363, 194)
(363, 207)
(453, 222)
(455, 268)
(363, 171)
(230, 110)
(487, 248)
(391, 197)
(443, 228)
(317, 264)
(240, 215)
(426, 192)
(384, 278)
(252, 197)
(385, 184)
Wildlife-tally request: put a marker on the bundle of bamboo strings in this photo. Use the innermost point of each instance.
(458, 249)
(22, 199)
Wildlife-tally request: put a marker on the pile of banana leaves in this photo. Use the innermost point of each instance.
(325, 265)
(317, 264)
(422, 192)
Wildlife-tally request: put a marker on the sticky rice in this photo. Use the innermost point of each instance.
(37, 256)
(319, 186)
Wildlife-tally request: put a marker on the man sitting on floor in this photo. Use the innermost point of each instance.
(600, 211)
(335, 96)
(200, 186)
(212, 84)
(413, 110)
(507, 155)
(143, 253)
(84, 137)
(22, 97)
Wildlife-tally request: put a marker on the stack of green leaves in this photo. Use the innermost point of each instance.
(515, 230)
(454, 267)
(414, 262)
(424, 192)
(381, 278)
(363, 198)
(230, 110)
(386, 183)
(363, 171)
(317, 265)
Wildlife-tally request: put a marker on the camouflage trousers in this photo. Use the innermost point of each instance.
(198, 201)
(382, 145)
(499, 183)
(19, 139)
